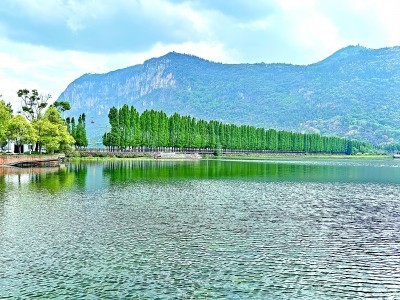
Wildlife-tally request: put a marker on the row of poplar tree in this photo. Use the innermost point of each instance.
(78, 131)
(155, 129)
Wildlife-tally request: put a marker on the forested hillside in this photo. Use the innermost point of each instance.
(354, 93)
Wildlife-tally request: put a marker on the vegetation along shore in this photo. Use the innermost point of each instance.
(142, 135)
(153, 129)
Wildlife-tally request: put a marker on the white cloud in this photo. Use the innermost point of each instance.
(261, 24)
(384, 18)
(294, 31)
(50, 71)
(310, 29)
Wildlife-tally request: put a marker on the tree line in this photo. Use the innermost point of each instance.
(38, 124)
(154, 129)
(78, 131)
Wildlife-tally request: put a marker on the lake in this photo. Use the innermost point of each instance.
(209, 229)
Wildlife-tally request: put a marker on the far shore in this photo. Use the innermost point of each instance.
(250, 156)
(300, 156)
(101, 156)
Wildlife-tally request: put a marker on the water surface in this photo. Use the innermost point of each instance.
(278, 229)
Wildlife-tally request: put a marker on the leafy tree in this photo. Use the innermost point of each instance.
(5, 117)
(68, 122)
(53, 115)
(66, 139)
(114, 136)
(53, 132)
(62, 106)
(73, 127)
(106, 140)
(20, 131)
(156, 129)
(124, 121)
(48, 135)
(80, 132)
(135, 127)
(33, 103)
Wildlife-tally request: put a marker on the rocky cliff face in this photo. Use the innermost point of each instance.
(128, 84)
(354, 93)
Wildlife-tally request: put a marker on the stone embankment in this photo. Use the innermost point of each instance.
(15, 160)
(173, 155)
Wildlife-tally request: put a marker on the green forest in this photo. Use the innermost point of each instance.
(40, 125)
(154, 129)
(37, 124)
(352, 94)
(78, 131)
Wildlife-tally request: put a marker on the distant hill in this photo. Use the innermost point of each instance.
(353, 93)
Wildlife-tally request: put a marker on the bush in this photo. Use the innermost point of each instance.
(218, 150)
(73, 154)
(85, 154)
(101, 154)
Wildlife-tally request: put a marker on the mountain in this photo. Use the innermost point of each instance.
(353, 93)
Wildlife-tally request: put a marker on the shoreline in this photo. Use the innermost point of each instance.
(269, 156)
(296, 156)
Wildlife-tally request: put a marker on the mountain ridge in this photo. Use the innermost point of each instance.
(352, 93)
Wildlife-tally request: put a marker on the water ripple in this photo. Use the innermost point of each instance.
(203, 239)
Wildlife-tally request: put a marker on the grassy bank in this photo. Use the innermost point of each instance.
(88, 155)
(253, 156)
(112, 156)
(78, 159)
(94, 156)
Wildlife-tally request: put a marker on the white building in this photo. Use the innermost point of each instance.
(12, 148)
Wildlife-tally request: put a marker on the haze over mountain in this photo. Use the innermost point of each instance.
(353, 93)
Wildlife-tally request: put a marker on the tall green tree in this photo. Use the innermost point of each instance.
(20, 131)
(79, 132)
(62, 106)
(48, 135)
(155, 129)
(5, 117)
(73, 127)
(52, 132)
(33, 103)
(124, 122)
(106, 140)
(135, 132)
(68, 123)
(114, 136)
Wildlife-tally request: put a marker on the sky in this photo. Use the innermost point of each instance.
(46, 44)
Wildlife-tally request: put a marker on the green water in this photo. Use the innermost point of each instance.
(294, 229)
